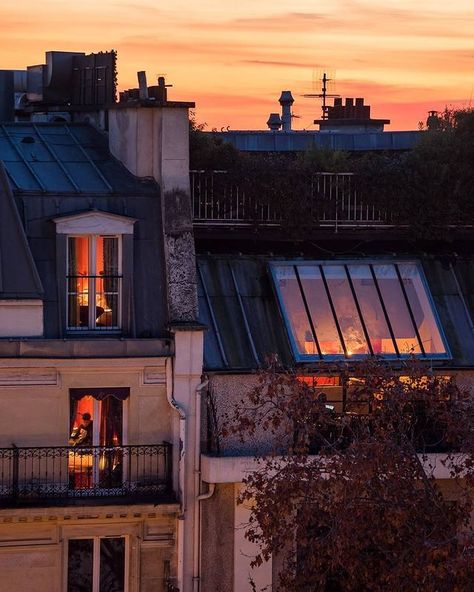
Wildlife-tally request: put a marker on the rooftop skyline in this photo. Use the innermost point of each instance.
(233, 59)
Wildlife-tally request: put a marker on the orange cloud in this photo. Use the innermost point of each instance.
(234, 59)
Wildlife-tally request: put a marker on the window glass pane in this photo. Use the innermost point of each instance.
(80, 456)
(346, 311)
(112, 565)
(78, 282)
(107, 282)
(294, 309)
(110, 437)
(320, 310)
(371, 309)
(79, 565)
(78, 255)
(397, 310)
(421, 308)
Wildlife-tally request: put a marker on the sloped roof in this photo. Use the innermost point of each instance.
(238, 303)
(18, 274)
(64, 158)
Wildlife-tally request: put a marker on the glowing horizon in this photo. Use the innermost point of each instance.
(234, 61)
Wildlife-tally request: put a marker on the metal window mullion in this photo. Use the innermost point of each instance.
(91, 281)
(412, 316)
(333, 310)
(385, 312)
(359, 311)
(213, 319)
(308, 313)
(244, 316)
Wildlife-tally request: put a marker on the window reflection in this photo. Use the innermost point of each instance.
(398, 313)
(371, 309)
(332, 309)
(294, 306)
(320, 310)
(346, 311)
(421, 307)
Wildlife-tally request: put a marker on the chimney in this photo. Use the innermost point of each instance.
(286, 100)
(152, 140)
(274, 122)
(143, 88)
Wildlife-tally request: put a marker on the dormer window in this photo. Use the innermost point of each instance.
(95, 255)
(94, 283)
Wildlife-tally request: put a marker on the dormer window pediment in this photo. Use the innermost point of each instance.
(94, 222)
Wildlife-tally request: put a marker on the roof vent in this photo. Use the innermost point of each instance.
(274, 121)
(28, 140)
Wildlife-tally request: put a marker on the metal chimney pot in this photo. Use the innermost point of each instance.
(286, 100)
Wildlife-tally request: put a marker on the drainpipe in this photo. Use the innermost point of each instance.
(181, 466)
(197, 484)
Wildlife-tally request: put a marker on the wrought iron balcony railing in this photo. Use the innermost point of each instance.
(61, 475)
(334, 202)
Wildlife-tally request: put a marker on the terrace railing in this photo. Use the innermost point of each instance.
(59, 475)
(217, 200)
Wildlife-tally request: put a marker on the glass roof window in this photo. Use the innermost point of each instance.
(357, 309)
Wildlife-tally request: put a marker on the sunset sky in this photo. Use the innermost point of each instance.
(234, 58)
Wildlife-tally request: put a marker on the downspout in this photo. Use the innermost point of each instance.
(197, 484)
(181, 474)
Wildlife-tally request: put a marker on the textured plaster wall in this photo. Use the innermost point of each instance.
(217, 540)
(182, 289)
(38, 414)
(34, 545)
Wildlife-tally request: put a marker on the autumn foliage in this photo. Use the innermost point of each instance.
(350, 499)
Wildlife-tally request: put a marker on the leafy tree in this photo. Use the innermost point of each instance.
(349, 501)
(430, 187)
(207, 151)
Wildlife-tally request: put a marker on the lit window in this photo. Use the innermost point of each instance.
(96, 459)
(351, 310)
(93, 283)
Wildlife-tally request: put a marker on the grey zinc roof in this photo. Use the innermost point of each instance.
(238, 304)
(18, 274)
(63, 158)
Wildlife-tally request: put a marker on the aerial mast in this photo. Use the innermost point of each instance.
(323, 95)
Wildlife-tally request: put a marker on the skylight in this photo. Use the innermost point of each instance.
(356, 309)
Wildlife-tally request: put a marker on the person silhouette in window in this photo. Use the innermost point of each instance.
(82, 435)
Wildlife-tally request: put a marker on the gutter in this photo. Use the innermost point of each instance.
(181, 466)
(197, 484)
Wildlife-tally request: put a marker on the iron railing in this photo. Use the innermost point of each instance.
(64, 474)
(334, 202)
(83, 291)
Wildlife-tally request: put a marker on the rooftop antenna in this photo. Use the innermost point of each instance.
(323, 94)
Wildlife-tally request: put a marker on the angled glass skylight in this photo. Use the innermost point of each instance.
(356, 309)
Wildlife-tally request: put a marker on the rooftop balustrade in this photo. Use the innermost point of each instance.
(218, 199)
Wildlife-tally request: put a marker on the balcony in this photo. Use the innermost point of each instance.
(66, 475)
(334, 203)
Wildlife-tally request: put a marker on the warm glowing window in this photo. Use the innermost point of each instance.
(357, 309)
(93, 283)
(96, 435)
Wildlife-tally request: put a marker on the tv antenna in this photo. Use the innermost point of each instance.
(323, 94)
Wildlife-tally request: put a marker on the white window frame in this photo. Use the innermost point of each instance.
(92, 248)
(96, 559)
